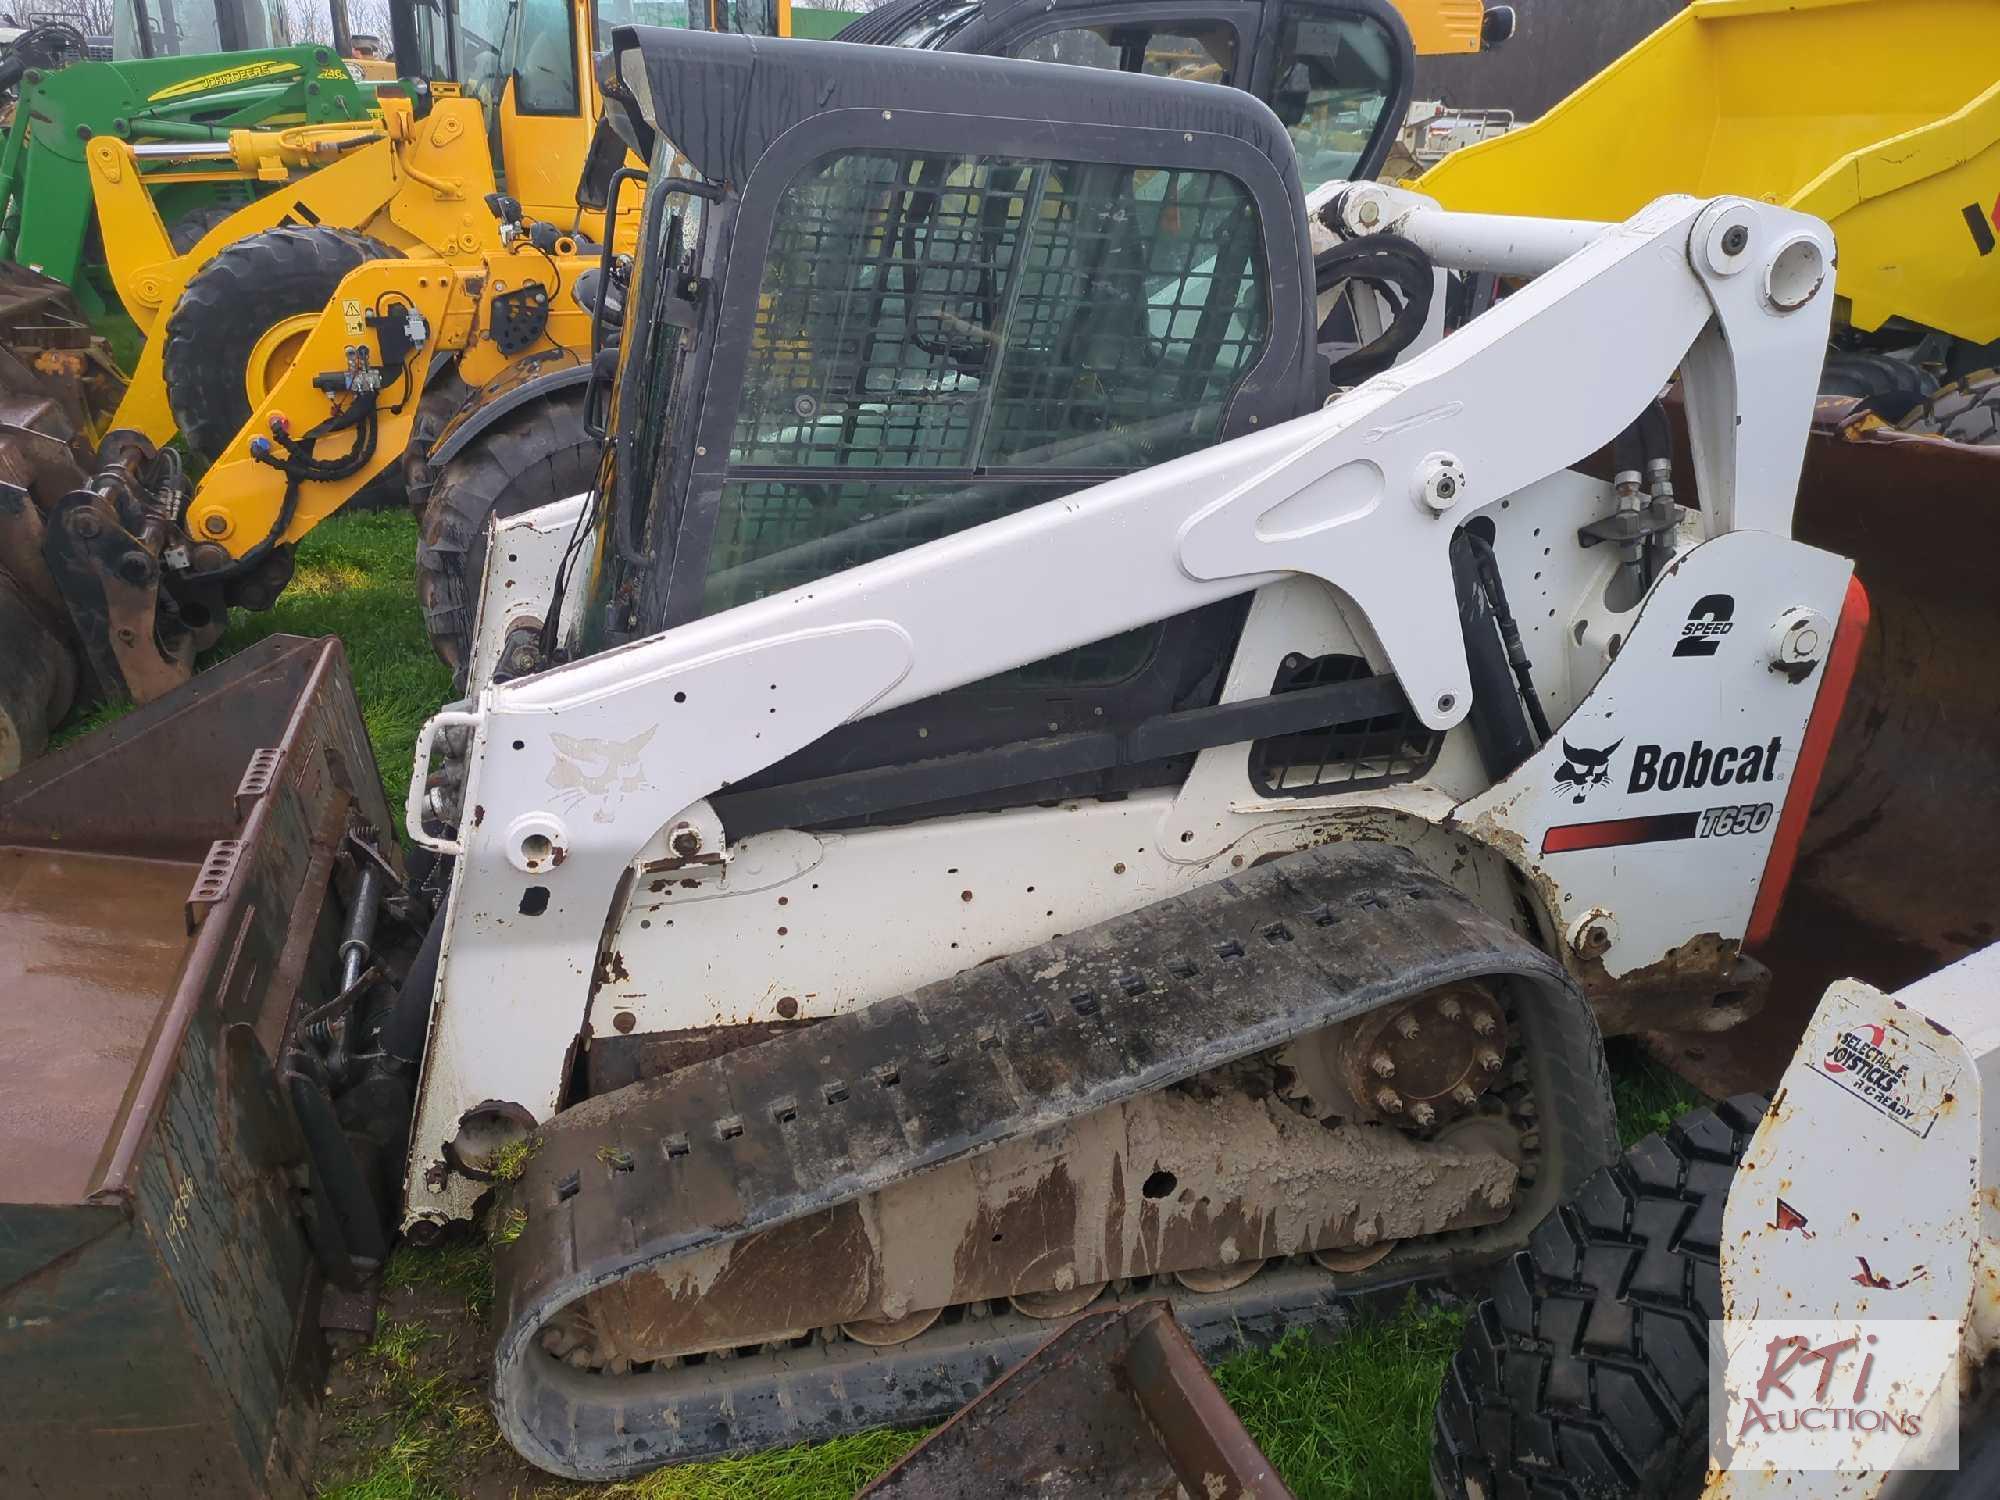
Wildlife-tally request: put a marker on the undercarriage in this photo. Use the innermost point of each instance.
(779, 1244)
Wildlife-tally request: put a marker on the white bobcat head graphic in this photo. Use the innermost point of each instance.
(603, 769)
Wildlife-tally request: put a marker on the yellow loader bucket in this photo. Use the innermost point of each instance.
(1881, 117)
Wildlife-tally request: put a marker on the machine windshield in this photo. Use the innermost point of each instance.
(168, 28)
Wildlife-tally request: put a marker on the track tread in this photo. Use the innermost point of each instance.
(1584, 1375)
(988, 1054)
(227, 306)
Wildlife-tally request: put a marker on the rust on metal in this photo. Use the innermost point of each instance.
(1117, 1406)
(615, 1061)
(93, 942)
(1421, 1062)
(1705, 984)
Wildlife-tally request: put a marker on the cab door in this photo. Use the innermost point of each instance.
(934, 334)
(547, 103)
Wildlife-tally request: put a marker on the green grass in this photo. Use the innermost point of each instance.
(1649, 1095)
(1347, 1420)
(424, 1426)
(356, 579)
(818, 1472)
(462, 1267)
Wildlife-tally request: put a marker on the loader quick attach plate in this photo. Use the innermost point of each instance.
(642, 1178)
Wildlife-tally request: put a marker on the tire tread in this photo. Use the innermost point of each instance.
(1584, 1375)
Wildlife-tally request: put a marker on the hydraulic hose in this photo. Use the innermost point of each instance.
(410, 1019)
(1406, 278)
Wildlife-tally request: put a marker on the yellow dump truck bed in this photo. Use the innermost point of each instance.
(1880, 116)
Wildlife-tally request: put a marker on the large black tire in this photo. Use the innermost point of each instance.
(228, 306)
(537, 453)
(186, 232)
(1966, 411)
(1585, 1375)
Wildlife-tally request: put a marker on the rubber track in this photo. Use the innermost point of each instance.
(636, 1177)
(1586, 1373)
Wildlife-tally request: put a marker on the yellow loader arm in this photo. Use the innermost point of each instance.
(419, 186)
(242, 498)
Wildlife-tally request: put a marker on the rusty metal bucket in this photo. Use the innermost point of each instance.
(57, 385)
(1896, 875)
(1116, 1405)
(164, 890)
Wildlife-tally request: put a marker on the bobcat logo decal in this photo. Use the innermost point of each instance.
(606, 770)
(1583, 769)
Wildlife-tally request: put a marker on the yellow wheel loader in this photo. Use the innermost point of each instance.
(500, 98)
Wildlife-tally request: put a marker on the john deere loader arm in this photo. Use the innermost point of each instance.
(620, 848)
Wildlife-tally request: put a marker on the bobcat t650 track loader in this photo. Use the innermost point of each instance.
(1008, 795)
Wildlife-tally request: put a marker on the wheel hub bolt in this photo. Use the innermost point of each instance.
(1388, 1101)
(1489, 1059)
(1483, 1023)
(1383, 1065)
(1407, 1028)
(1423, 1114)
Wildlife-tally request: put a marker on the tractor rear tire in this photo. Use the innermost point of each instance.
(1585, 1375)
(231, 303)
(537, 453)
(1966, 411)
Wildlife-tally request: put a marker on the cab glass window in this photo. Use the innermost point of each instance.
(751, 17)
(530, 41)
(934, 25)
(1204, 52)
(610, 13)
(545, 80)
(1335, 77)
(944, 339)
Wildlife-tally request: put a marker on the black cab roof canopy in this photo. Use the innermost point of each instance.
(723, 99)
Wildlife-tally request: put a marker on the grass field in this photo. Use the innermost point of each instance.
(407, 1418)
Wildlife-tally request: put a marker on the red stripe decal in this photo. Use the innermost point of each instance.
(1658, 828)
(1834, 683)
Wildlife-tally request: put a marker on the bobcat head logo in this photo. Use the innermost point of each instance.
(602, 769)
(1583, 769)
